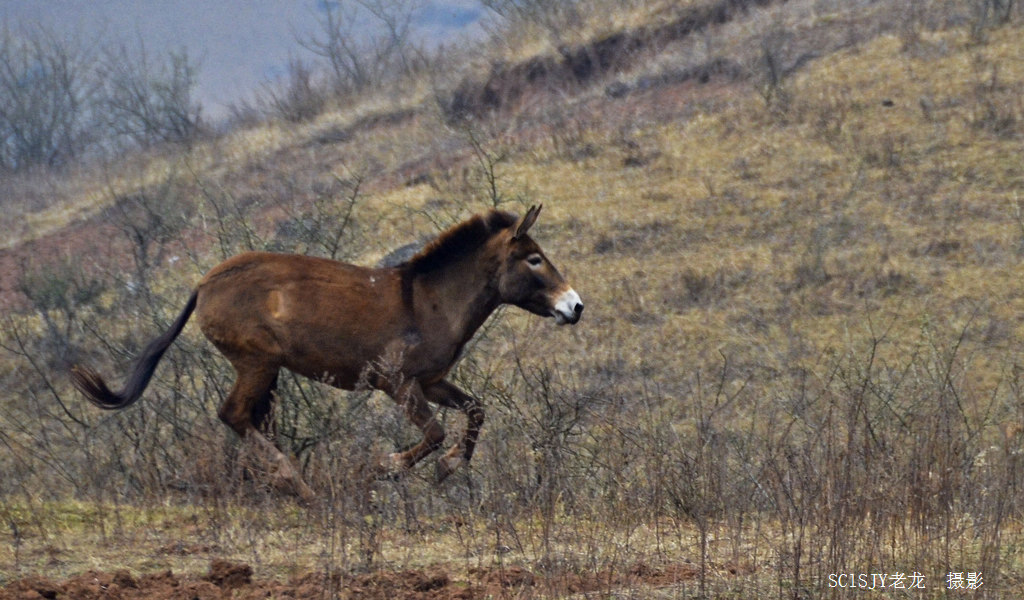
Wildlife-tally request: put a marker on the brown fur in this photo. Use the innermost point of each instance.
(397, 329)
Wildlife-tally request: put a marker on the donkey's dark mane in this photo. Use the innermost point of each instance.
(459, 240)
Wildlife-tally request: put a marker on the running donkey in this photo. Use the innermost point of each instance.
(397, 329)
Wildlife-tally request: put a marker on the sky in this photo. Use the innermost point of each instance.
(239, 44)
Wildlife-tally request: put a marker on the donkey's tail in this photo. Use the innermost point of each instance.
(91, 384)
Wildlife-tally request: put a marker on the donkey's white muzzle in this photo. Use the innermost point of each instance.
(568, 307)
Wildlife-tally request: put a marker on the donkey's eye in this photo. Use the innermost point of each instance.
(534, 260)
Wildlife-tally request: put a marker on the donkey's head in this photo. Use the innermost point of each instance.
(527, 278)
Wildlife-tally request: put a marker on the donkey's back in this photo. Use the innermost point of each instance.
(317, 317)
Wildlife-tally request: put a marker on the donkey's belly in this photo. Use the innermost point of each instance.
(334, 355)
(349, 362)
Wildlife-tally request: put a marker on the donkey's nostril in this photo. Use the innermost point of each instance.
(578, 309)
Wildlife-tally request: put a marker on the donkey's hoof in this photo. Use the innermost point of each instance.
(446, 465)
(392, 467)
(302, 492)
(305, 493)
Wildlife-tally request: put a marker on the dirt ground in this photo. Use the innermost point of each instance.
(234, 580)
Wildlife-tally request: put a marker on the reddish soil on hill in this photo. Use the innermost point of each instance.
(233, 580)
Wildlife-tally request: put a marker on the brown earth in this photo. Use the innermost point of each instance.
(235, 580)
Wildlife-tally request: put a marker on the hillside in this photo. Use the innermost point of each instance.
(797, 232)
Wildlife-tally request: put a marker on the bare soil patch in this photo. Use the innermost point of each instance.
(226, 579)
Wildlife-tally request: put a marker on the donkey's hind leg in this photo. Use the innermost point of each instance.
(248, 410)
(446, 394)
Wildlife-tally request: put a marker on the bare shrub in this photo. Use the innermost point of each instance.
(986, 14)
(63, 100)
(480, 182)
(146, 101)
(47, 92)
(772, 68)
(363, 43)
(58, 292)
(151, 221)
(41, 419)
(998, 107)
(297, 97)
(327, 225)
(554, 17)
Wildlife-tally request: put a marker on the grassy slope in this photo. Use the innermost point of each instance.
(750, 227)
(877, 200)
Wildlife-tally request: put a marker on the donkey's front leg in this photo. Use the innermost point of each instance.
(446, 394)
(410, 396)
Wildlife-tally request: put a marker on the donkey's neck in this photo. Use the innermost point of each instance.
(460, 295)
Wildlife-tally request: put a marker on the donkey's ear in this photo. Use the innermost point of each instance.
(528, 219)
